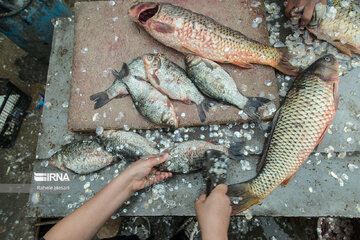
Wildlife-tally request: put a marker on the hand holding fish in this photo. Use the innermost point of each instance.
(86, 221)
(305, 6)
(142, 173)
(213, 213)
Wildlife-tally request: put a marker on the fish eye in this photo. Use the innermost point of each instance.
(149, 58)
(327, 59)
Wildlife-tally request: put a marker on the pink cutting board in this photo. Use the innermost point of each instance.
(105, 37)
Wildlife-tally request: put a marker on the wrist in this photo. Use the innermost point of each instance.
(209, 232)
(124, 183)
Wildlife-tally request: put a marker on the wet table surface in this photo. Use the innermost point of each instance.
(325, 185)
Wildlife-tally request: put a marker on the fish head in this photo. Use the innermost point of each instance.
(142, 12)
(152, 62)
(192, 60)
(327, 68)
(56, 161)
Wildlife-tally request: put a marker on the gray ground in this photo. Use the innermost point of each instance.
(17, 162)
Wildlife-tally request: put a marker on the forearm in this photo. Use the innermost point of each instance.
(85, 222)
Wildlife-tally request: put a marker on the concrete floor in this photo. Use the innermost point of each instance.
(16, 162)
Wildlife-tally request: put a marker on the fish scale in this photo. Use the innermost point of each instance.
(194, 33)
(300, 101)
(82, 157)
(152, 104)
(344, 27)
(308, 110)
(127, 145)
(189, 156)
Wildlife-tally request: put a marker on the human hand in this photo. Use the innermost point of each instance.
(213, 213)
(305, 6)
(143, 174)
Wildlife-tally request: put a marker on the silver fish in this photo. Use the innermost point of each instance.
(118, 88)
(127, 145)
(151, 103)
(82, 157)
(172, 80)
(215, 82)
(189, 156)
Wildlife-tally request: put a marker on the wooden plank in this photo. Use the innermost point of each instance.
(105, 37)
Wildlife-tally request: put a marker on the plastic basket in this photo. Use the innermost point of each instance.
(13, 104)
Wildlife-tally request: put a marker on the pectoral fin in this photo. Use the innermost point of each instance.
(341, 47)
(156, 79)
(322, 137)
(287, 180)
(267, 144)
(336, 94)
(243, 64)
(162, 27)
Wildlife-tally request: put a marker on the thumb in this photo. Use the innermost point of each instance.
(158, 159)
(201, 199)
(221, 188)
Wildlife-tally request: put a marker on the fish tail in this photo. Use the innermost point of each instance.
(235, 150)
(283, 65)
(201, 112)
(100, 99)
(206, 104)
(246, 198)
(252, 105)
(125, 71)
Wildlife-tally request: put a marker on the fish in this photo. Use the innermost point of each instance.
(193, 33)
(126, 145)
(215, 82)
(118, 88)
(151, 103)
(82, 157)
(338, 25)
(188, 156)
(171, 79)
(298, 127)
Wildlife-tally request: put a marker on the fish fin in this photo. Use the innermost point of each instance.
(61, 167)
(155, 78)
(235, 149)
(243, 64)
(319, 142)
(201, 112)
(252, 105)
(125, 71)
(242, 191)
(336, 94)
(120, 96)
(261, 163)
(352, 48)
(210, 64)
(206, 104)
(162, 27)
(141, 79)
(341, 47)
(283, 65)
(287, 180)
(100, 99)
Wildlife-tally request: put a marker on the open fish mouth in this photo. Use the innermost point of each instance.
(143, 12)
